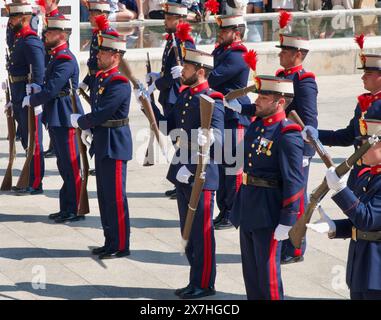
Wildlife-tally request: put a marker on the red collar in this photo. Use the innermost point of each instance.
(269, 121)
(235, 45)
(199, 88)
(26, 31)
(168, 36)
(365, 100)
(375, 170)
(105, 74)
(292, 70)
(52, 13)
(54, 51)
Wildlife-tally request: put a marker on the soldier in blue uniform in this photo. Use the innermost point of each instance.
(185, 119)
(54, 95)
(362, 206)
(111, 145)
(230, 72)
(27, 50)
(272, 192)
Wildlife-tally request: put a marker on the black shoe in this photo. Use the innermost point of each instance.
(218, 218)
(173, 196)
(195, 293)
(289, 259)
(68, 217)
(49, 153)
(26, 191)
(170, 192)
(92, 172)
(98, 251)
(114, 254)
(180, 291)
(53, 216)
(223, 224)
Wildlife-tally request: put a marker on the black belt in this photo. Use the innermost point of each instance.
(93, 72)
(365, 235)
(116, 123)
(15, 79)
(248, 179)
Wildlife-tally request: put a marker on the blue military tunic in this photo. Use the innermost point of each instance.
(273, 151)
(369, 107)
(363, 209)
(185, 118)
(169, 87)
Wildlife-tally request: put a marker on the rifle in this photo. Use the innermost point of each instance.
(146, 104)
(84, 95)
(149, 158)
(240, 92)
(299, 229)
(83, 206)
(23, 181)
(7, 181)
(176, 50)
(206, 112)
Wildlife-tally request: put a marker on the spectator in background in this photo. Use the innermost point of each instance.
(153, 9)
(127, 10)
(236, 7)
(255, 6)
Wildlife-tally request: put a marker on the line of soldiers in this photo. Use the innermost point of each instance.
(264, 198)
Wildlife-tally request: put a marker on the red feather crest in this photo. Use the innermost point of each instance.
(251, 59)
(212, 5)
(42, 4)
(360, 40)
(284, 18)
(183, 30)
(365, 100)
(102, 22)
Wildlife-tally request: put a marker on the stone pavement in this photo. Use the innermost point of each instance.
(43, 260)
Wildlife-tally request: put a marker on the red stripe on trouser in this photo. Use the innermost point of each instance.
(74, 163)
(207, 240)
(273, 279)
(240, 136)
(36, 157)
(298, 252)
(120, 204)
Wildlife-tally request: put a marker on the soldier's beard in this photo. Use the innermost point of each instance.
(17, 28)
(170, 30)
(191, 80)
(52, 44)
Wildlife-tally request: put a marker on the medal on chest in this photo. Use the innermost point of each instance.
(264, 146)
(362, 124)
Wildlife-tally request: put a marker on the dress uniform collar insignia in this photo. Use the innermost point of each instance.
(107, 73)
(52, 13)
(55, 50)
(375, 170)
(199, 88)
(293, 70)
(274, 118)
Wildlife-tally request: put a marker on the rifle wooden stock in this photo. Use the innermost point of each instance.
(240, 92)
(84, 95)
(7, 181)
(299, 229)
(23, 181)
(206, 112)
(176, 50)
(147, 107)
(83, 205)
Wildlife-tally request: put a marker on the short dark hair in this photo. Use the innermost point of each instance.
(206, 70)
(288, 100)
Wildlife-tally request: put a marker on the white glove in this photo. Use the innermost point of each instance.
(138, 93)
(32, 88)
(7, 106)
(38, 110)
(83, 86)
(26, 101)
(86, 134)
(152, 76)
(313, 131)
(176, 71)
(202, 138)
(324, 224)
(306, 161)
(74, 119)
(281, 232)
(151, 88)
(183, 175)
(233, 105)
(334, 182)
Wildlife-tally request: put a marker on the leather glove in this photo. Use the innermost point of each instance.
(151, 88)
(152, 76)
(74, 119)
(233, 105)
(32, 88)
(281, 232)
(313, 131)
(26, 101)
(334, 182)
(176, 71)
(38, 110)
(324, 225)
(202, 138)
(183, 175)
(83, 86)
(87, 134)
(7, 106)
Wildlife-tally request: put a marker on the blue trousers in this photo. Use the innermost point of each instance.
(111, 176)
(261, 264)
(367, 295)
(201, 249)
(68, 163)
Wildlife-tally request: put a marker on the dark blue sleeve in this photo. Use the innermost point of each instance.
(170, 119)
(248, 109)
(35, 56)
(343, 229)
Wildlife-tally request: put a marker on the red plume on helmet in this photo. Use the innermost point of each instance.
(212, 5)
(102, 22)
(251, 59)
(42, 4)
(360, 40)
(284, 18)
(183, 31)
